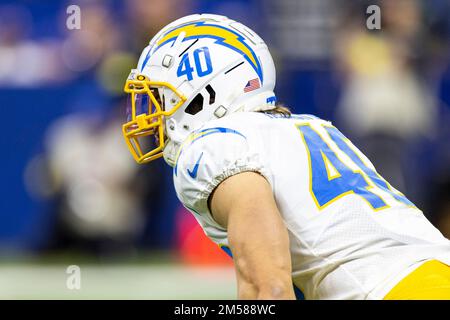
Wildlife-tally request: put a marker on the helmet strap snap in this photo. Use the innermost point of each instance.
(220, 111)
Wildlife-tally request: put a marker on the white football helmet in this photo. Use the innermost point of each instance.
(198, 68)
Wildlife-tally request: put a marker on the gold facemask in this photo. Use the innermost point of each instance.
(144, 130)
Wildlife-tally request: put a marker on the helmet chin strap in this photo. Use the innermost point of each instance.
(170, 152)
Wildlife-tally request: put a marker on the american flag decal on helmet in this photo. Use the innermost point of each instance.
(252, 85)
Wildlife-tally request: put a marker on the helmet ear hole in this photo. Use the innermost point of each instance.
(212, 94)
(196, 105)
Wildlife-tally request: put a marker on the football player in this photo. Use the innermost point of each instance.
(300, 209)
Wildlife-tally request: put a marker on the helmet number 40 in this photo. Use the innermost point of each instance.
(202, 62)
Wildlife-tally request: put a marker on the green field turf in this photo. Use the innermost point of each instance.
(25, 280)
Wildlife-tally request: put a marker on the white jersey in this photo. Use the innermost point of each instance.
(352, 235)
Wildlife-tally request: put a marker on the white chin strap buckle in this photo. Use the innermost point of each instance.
(220, 111)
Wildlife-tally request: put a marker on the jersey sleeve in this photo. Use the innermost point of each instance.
(207, 158)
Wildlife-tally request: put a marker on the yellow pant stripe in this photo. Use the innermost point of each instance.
(430, 281)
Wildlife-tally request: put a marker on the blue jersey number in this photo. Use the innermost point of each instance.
(332, 179)
(345, 145)
(202, 62)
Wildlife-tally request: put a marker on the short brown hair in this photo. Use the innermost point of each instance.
(280, 110)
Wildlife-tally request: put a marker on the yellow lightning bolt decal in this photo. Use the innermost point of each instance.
(223, 35)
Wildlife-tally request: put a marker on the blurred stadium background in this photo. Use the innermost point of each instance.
(71, 193)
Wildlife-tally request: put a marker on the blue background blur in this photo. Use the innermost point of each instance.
(388, 90)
